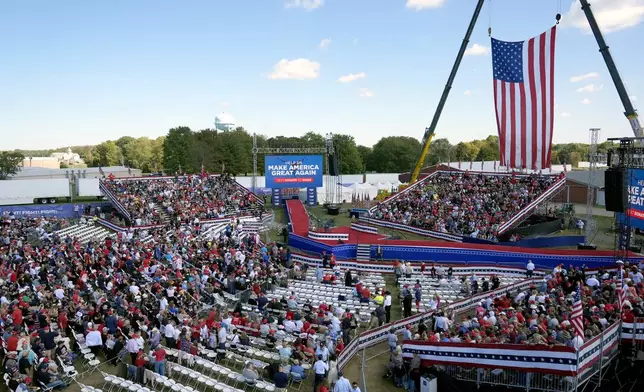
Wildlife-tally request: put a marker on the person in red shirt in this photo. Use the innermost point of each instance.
(339, 347)
(159, 360)
(62, 323)
(324, 387)
(16, 315)
(140, 362)
(366, 294)
(359, 288)
(12, 342)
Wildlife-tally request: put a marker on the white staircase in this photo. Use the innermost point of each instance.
(212, 230)
(86, 233)
(165, 218)
(363, 252)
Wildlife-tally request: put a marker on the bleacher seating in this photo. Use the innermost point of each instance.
(463, 203)
(85, 232)
(162, 200)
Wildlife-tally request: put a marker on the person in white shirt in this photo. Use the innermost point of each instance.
(355, 387)
(529, 269)
(492, 319)
(289, 326)
(234, 340)
(342, 385)
(170, 341)
(320, 368)
(93, 339)
(222, 336)
(592, 281)
(387, 305)
(577, 342)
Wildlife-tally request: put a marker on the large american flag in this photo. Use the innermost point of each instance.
(577, 315)
(621, 293)
(524, 99)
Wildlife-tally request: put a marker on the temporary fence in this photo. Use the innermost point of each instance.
(364, 228)
(320, 235)
(557, 369)
(633, 330)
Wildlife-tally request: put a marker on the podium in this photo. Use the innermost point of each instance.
(428, 384)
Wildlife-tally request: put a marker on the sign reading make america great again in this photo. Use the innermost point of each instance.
(291, 171)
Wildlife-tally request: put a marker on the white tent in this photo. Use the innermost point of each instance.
(381, 186)
(366, 190)
(347, 194)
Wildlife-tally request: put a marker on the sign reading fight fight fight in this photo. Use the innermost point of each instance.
(293, 171)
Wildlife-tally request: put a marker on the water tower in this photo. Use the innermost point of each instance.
(224, 122)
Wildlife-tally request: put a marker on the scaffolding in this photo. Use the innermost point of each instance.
(593, 158)
(628, 156)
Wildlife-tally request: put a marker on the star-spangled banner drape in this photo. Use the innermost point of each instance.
(556, 360)
(621, 292)
(577, 314)
(524, 99)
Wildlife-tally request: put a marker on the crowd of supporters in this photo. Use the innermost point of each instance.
(465, 203)
(542, 313)
(132, 297)
(183, 199)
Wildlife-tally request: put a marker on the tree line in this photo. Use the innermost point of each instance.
(185, 150)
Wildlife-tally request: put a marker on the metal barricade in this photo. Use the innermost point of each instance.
(592, 371)
(638, 339)
(512, 378)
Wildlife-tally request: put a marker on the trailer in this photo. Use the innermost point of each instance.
(86, 187)
(33, 191)
(46, 191)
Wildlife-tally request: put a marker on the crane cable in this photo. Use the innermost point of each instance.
(489, 13)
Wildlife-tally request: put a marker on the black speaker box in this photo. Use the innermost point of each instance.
(334, 170)
(616, 189)
(582, 246)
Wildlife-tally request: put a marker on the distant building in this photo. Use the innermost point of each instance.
(38, 173)
(41, 162)
(576, 189)
(54, 161)
(68, 157)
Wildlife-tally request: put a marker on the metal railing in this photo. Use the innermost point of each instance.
(591, 362)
